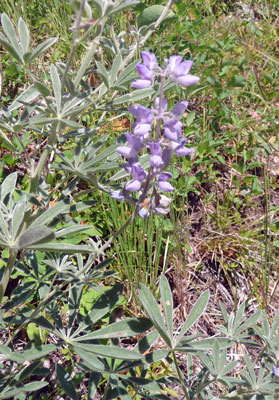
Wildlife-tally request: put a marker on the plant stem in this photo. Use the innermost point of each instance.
(180, 376)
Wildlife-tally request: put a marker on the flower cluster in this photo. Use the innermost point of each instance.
(160, 142)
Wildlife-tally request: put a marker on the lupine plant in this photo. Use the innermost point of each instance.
(36, 234)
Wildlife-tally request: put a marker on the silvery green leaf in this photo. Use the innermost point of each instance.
(27, 371)
(27, 96)
(11, 34)
(167, 302)
(126, 75)
(27, 56)
(94, 380)
(42, 88)
(42, 47)
(101, 307)
(109, 351)
(8, 128)
(52, 212)
(4, 228)
(66, 382)
(10, 48)
(151, 307)
(135, 95)
(64, 248)
(8, 186)
(34, 235)
(155, 356)
(24, 35)
(28, 387)
(125, 328)
(75, 295)
(147, 384)
(119, 8)
(56, 85)
(92, 362)
(146, 342)
(194, 315)
(103, 74)
(115, 69)
(72, 229)
(18, 216)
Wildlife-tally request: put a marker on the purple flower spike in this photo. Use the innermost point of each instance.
(178, 71)
(163, 182)
(180, 150)
(172, 129)
(156, 158)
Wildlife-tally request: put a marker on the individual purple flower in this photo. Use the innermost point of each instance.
(143, 212)
(134, 147)
(145, 70)
(178, 71)
(116, 194)
(162, 205)
(156, 154)
(180, 149)
(139, 175)
(172, 129)
(163, 182)
(275, 370)
(180, 108)
(144, 117)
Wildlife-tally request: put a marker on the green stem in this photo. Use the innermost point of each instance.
(180, 376)
(7, 273)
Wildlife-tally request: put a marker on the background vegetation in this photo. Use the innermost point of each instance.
(222, 231)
